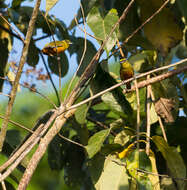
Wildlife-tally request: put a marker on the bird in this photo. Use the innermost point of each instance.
(56, 47)
(126, 71)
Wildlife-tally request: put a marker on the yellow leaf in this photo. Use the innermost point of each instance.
(126, 151)
(11, 77)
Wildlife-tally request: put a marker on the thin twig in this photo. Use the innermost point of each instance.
(19, 72)
(148, 20)
(161, 175)
(4, 94)
(150, 173)
(148, 102)
(140, 27)
(10, 32)
(83, 54)
(140, 84)
(58, 58)
(17, 124)
(138, 113)
(19, 159)
(99, 39)
(120, 49)
(12, 27)
(159, 118)
(50, 78)
(69, 140)
(100, 124)
(31, 139)
(41, 38)
(32, 90)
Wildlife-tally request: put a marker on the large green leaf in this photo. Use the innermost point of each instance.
(74, 170)
(174, 161)
(53, 64)
(96, 142)
(81, 113)
(32, 57)
(113, 177)
(169, 32)
(139, 160)
(16, 3)
(21, 18)
(143, 61)
(114, 99)
(101, 26)
(56, 153)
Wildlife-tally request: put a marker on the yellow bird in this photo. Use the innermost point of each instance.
(54, 48)
(126, 71)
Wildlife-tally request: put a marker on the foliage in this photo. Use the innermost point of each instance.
(104, 151)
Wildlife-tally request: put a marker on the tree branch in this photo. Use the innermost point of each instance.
(59, 122)
(18, 74)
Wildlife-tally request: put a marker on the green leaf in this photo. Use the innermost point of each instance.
(49, 5)
(61, 29)
(16, 3)
(183, 8)
(116, 102)
(96, 141)
(139, 160)
(21, 18)
(53, 64)
(101, 27)
(174, 161)
(33, 57)
(113, 177)
(95, 166)
(114, 99)
(81, 112)
(143, 61)
(13, 138)
(56, 157)
(123, 137)
(169, 26)
(79, 45)
(153, 114)
(131, 97)
(74, 170)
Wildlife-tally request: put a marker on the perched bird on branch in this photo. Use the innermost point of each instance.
(126, 71)
(54, 48)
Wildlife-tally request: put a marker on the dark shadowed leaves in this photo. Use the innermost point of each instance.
(115, 99)
(54, 67)
(174, 160)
